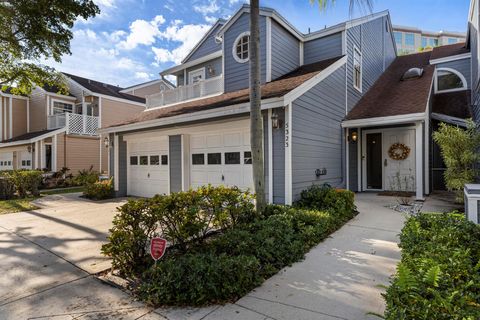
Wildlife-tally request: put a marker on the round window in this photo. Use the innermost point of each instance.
(240, 48)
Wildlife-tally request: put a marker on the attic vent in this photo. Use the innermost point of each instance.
(412, 73)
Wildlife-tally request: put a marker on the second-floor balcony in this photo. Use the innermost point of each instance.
(200, 89)
(74, 123)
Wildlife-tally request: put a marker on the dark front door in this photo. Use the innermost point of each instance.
(374, 161)
(48, 157)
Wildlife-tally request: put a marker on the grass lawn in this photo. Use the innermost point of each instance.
(62, 190)
(17, 205)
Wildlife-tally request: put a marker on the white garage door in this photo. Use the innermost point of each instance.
(221, 158)
(148, 167)
(24, 160)
(6, 161)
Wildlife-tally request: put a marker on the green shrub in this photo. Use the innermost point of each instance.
(198, 279)
(99, 190)
(133, 226)
(85, 177)
(187, 217)
(439, 274)
(7, 187)
(26, 181)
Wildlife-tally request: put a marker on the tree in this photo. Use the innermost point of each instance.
(256, 121)
(459, 148)
(31, 30)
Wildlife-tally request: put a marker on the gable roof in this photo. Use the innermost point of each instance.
(103, 88)
(277, 88)
(220, 22)
(54, 89)
(148, 83)
(390, 96)
(449, 50)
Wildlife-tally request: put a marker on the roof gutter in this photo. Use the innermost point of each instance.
(390, 120)
(33, 140)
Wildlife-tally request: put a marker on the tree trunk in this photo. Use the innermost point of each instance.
(256, 121)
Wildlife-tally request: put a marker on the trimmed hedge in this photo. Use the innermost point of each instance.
(246, 254)
(439, 274)
(99, 190)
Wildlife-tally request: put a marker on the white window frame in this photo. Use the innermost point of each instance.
(357, 51)
(456, 72)
(193, 72)
(234, 48)
(52, 103)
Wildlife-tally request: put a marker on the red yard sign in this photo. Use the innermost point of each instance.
(157, 248)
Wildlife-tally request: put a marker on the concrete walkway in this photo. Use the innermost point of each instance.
(338, 279)
(48, 256)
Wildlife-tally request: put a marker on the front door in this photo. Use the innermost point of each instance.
(374, 161)
(399, 174)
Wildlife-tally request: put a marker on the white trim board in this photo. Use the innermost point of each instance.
(378, 121)
(462, 56)
(449, 119)
(146, 84)
(211, 56)
(203, 39)
(32, 140)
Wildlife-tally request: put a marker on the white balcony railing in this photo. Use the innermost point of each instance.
(183, 93)
(74, 123)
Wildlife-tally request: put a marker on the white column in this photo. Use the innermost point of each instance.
(5, 136)
(270, 156)
(54, 153)
(359, 159)
(42, 154)
(37, 152)
(28, 115)
(288, 155)
(10, 119)
(1, 118)
(427, 156)
(347, 160)
(419, 161)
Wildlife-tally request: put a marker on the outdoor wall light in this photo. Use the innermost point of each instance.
(106, 141)
(354, 136)
(210, 70)
(29, 149)
(275, 121)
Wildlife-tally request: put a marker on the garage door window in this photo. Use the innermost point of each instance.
(133, 161)
(247, 157)
(232, 157)
(198, 158)
(214, 158)
(154, 160)
(164, 160)
(143, 160)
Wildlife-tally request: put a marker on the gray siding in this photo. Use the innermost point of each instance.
(370, 39)
(322, 48)
(207, 47)
(216, 65)
(175, 162)
(265, 153)
(278, 155)
(237, 74)
(285, 51)
(352, 163)
(474, 72)
(389, 44)
(462, 66)
(317, 134)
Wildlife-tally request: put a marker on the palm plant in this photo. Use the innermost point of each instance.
(256, 121)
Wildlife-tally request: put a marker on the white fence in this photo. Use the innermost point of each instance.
(183, 93)
(75, 123)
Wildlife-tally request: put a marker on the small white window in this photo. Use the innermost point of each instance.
(61, 107)
(449, 80)
(196, 76)
(357, 69)
(240, 48)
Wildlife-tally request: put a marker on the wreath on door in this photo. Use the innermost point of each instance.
(398, 151)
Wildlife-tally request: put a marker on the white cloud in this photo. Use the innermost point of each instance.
(142, 76)
(168, 7)
(209, 8)
(142, 32)
(210, 20)
(233, 2)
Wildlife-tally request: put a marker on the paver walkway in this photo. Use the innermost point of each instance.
(48, 258)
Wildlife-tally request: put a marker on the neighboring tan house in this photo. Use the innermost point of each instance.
(410, 40)
(148, 88)
(49, 131)
(199, 132)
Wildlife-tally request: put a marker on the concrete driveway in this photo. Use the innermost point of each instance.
(48, 258)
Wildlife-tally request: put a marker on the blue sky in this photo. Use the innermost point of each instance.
(131, 41)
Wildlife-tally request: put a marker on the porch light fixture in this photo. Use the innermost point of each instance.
(29, 149)
(106, 141)
(210, 70)
(354, 136)
(275, 121)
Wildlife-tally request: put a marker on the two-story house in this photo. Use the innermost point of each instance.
(198, 133)
(49, 131)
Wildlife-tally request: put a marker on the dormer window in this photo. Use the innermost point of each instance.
(61, 107)
(449, 80)
(240, 48)
(412, 73)
(357, 69)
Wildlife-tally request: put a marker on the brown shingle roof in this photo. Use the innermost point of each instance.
(276, 88)
(390, 96)
(449, 50)
(455, 104)
(28, 136)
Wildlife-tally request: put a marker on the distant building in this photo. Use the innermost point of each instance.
(409, 39)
